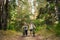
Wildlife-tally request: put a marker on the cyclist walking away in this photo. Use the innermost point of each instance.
(25, 30)
(32, 29)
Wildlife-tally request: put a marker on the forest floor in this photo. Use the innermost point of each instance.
(12, 35)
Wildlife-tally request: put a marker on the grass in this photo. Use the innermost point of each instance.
(9, 35)
(9, 32)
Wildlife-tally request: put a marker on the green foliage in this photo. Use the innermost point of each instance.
(58, 7)
(39, 24)
(57, 29)
(17, 17)
(12, 15)
(52, 7)
(21, 13)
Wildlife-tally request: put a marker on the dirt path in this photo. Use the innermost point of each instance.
(8, 35)
(13, 36)
(18, 37)
(31, 38)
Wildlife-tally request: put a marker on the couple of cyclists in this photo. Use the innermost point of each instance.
(31, 28)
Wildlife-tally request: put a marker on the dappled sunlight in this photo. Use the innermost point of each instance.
(29, 20)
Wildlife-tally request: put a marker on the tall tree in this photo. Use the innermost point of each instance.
(4, 14)
(1, 3)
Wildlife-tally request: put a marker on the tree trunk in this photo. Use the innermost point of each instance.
(1, 3)
(3, 15)
(0, 17)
